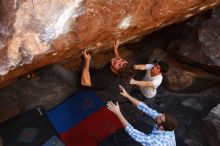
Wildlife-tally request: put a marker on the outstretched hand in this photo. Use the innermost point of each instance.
(86, 56)
(116, 44)
(113, 107)
(123, 92)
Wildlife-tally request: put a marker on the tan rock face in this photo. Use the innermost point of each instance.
(35, 33)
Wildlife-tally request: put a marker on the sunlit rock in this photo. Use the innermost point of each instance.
(35, 33)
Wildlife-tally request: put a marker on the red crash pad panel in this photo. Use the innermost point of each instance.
(92, 130)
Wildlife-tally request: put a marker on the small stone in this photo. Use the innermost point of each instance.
(192, 103)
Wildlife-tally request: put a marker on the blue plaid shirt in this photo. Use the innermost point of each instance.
(157, 137)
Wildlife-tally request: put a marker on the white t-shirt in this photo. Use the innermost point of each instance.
(150, 92)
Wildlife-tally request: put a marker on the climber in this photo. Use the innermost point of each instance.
(117, 63)
(163, 130)
(151, 80)
(105, 76)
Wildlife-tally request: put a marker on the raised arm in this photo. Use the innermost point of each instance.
(143, 66)
(85, 77)
(116, 110)
(135, 134)
(115, 47)
(140, 67)
(142, 83)
(147, 110)
(140, 105)
(124, 93)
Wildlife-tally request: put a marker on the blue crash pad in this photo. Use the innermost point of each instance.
(74, 109)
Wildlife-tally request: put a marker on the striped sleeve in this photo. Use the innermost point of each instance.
(152, 113)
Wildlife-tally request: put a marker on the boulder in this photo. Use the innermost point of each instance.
(202, 45)
(212, 126)
(10, 106)
(182, 77)
(192, 103)
(36, 33)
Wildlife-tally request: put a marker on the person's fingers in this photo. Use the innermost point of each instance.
(87, 56)
(116, 43)
(83, 53)
(109, 108)
(131, 80)
(110, 104)
(122, 90)
(120, 87)
(117, 103)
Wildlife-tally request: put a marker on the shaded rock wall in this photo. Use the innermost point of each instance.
(10, 106)
(37, 33)
(182, 77)
(201, 46)
(212, 126)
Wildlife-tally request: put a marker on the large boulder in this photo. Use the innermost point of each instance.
(182, 77)
(35, 33)
(212, 126)
(10, 106)
(202, 45)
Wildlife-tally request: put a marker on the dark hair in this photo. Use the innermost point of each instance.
(170, 123)
(164, 67)
(127, 71)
